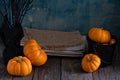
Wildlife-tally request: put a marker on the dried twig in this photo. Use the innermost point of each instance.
(25, 9)
(16, 10)
(5, 7)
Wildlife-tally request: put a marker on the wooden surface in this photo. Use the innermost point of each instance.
(62, 68)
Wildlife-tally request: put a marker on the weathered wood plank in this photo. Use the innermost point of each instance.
(58, 68)
(49, 71)
(117, 63)
(71, 70)
(106, 73)
(3, 73)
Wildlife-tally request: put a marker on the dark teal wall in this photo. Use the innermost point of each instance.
(71, 15)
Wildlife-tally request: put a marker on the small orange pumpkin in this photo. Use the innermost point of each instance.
(99, 35)
(90, 62)
(31, 42)
(19, 66)
(34, 52)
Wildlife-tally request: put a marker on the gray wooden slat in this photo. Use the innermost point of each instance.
(106, 73)
(66, 69)
(49, 71)
(3, 73)
(71, 70)
(117, 63)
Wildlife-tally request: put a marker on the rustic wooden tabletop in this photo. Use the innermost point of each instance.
(63, 68)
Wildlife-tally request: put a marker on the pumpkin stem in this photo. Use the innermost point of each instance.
(88, 59)
(19, 58)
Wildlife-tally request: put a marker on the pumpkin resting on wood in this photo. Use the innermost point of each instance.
(99, 35)
(90, 62)
(19, 66)
(33, 51)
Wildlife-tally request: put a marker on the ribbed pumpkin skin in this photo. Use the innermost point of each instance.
(90, 62)
(22, 68)
(99, 35)
(34, 53)
(30, 48)
(31, 43)
(37, 57)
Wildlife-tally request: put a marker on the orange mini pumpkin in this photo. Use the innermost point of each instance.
(90, 62)
(34, 52)
(19, 66)
(99, 35)
(31, 42)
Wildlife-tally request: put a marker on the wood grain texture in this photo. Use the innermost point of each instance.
(71, 70)
(64, 68)
(3, 73)
(116, 63)
(50, 71)
(106, 73)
